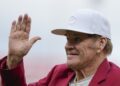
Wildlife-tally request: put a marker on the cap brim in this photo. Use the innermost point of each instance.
(59, 31)
(64, 31)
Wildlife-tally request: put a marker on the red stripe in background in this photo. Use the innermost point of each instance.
(37, 69)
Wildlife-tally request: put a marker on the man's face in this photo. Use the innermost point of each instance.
(80, 50)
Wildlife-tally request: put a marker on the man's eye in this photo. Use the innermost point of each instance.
(77, 39)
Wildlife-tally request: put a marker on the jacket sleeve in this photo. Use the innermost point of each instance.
(13, 77)
(16, 76)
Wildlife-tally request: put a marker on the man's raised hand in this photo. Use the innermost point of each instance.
(19, 42)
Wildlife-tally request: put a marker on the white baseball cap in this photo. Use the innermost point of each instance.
(87, 21)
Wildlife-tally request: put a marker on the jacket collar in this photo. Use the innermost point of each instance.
(99, 76)
(101, 73)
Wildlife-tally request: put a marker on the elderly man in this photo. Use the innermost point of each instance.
(88, 45)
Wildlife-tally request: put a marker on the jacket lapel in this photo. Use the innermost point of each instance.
(101, 74)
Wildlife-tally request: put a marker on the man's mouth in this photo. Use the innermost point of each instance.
(71, 55)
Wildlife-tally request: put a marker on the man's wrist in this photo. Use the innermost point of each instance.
(12, 62)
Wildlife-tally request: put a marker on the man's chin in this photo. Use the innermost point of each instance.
(71, 66)
(74, 66)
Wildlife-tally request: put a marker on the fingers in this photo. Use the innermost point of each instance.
(18, 25)
(13, 27)
(23, 24)
(33, 40)
(28, 25)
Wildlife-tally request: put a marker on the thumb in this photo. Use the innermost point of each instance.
(34, 39)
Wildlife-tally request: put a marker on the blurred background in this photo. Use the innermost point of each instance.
(47, 15)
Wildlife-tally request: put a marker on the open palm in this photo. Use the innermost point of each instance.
(19, 43)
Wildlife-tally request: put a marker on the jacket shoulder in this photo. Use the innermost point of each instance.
(114, 68)
(114, 73)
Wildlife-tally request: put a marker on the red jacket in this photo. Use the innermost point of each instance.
(108, 74)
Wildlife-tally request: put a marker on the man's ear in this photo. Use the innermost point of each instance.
(101, 43)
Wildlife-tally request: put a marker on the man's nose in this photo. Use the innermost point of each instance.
(69, 45)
